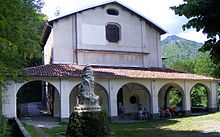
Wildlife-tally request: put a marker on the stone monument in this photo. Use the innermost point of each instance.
(87, 120)
(87, 101)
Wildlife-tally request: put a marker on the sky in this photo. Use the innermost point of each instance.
(157, 11)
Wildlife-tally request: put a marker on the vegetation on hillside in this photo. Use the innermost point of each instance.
(203, 15)
(184, 55)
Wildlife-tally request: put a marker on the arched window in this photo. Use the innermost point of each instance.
(112, 32)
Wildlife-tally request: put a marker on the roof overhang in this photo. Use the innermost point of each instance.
(111, 72)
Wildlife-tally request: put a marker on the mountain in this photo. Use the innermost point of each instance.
(175, 38)
(176, 48)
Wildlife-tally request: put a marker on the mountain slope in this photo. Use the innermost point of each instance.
(176, 48)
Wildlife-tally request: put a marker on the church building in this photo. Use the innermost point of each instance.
(123, 48)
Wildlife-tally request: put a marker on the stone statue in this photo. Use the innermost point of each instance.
(86, 98)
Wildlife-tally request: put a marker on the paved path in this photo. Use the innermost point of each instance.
(41, 122)
(45, 122)
(41, 132)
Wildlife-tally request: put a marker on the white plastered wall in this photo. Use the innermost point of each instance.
(64, 40)
(136, 36)
(142, 95)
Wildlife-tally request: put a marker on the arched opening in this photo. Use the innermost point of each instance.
(37, 99)
(131, 98)
(199, 96)
(99, 90)
(170, 100)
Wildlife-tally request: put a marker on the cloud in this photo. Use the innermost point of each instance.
(192, 34)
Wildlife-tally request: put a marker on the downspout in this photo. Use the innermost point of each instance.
(60, 99)
(109, 98)
(142, 43)
(76, 37)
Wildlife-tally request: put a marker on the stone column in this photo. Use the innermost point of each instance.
(154, 100)
(113, 111)
(64, 95)
(9, 100)
(186, 100)
(213, 97)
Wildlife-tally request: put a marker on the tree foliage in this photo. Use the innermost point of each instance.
(175, 98)
(185, 65)
(21, 25)
(201, 65)
(203, 15)
(199, 96)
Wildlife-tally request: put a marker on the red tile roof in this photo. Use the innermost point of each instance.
(75, 71)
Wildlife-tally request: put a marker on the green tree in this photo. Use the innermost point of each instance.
(204, 65)
(201, 65)
(175, 98)
(203, 15)
(185, 65)
(21, 24)
(199, 96)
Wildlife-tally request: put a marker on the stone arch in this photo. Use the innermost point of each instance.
(200, 102)
(56, 84)
(37, 98)
(132, 96)
(164, 99)
(99, 90)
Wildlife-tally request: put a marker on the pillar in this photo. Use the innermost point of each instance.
(9, 107)
(186, 100)
(113, 111)
(154, 100)
(213, 97)
(64, 99)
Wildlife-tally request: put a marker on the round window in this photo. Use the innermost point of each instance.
(113, 12)
(133, 99)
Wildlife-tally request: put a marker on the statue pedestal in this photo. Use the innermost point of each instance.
(84, 108)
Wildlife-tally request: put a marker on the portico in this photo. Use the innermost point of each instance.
(148, 90)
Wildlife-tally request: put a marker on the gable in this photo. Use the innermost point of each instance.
(48, 25)
(132, 11)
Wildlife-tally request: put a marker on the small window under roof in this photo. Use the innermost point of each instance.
(113, 12)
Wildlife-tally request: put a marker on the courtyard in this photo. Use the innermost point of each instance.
(194, 126)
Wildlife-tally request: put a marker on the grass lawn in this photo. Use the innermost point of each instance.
(197, 126)
(31, 130)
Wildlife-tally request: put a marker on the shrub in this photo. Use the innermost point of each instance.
(88, 124)
(5, 129)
